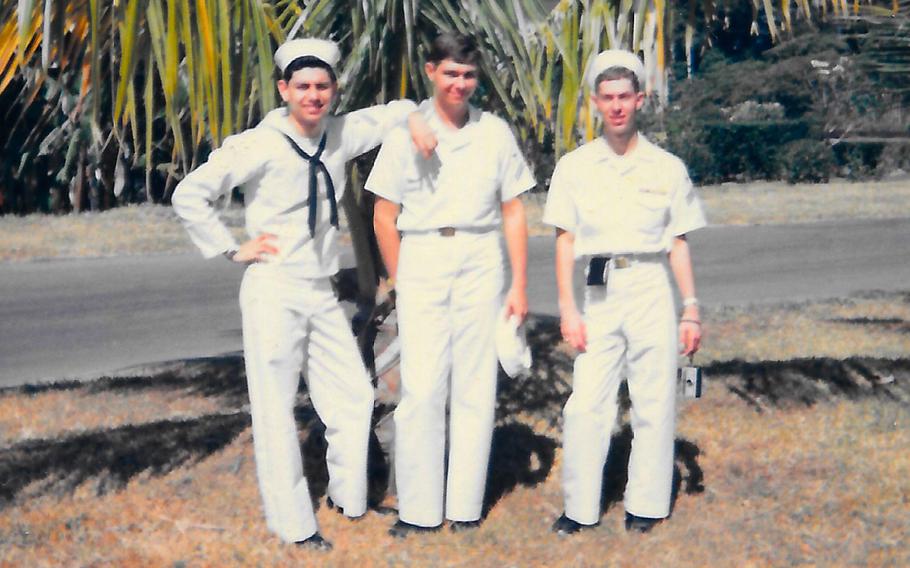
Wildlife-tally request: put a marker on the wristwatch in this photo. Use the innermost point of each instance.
(229, 253)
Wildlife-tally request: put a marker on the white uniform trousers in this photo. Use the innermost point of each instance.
(292, 323)
(449, 295)
(631, 326)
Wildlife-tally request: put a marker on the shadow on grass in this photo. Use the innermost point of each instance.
(546, 390)
(807, 381)
(687, 474)
(114, 456)
(518, 456)
(222, 377)
(897, 325)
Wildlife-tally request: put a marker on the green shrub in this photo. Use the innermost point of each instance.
(805, 160)
(688, 143)
(718, 151)
(858, 159)
(895, 157)
(749, 149)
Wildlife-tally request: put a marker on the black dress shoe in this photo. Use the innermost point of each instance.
(566, 526)
(402, 529)
(635, 523)
(315, 543)
(463, 526)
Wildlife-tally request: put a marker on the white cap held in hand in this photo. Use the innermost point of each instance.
(512, 346)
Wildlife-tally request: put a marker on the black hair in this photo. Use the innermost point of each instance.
(307, 61)
(458, 47)
(615, 73)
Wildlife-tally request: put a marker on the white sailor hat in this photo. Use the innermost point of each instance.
(614, 58)
(321, 49)
(512, 345)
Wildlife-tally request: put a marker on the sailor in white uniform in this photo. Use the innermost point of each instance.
(291, 170)
(438, 222)
(623, 206)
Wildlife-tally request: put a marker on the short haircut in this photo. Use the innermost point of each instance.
(304, 62)
(458, 47)
(616, 73)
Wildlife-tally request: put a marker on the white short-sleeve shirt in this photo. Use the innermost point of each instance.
(474, 170)
(635, 203)
(274, 180)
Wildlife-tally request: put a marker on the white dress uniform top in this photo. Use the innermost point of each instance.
(291, 318)
(633, 204)
(449, 296)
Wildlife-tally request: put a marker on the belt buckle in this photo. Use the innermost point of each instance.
(622, 262)
(447, 231)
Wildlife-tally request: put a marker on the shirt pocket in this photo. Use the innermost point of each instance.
(485, 186)
(481, 192)
(594, 210)
(652, 207)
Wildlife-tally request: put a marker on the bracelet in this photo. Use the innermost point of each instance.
(690, 301)
(688, 320)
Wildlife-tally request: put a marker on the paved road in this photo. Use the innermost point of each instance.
(82, 318)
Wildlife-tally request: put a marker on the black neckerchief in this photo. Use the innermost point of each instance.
(316, 165)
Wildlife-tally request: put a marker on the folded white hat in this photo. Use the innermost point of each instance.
(614, 58)
(321, 49)
(512, 345)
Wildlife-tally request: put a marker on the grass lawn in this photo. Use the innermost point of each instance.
(151, 229)
(764, 203)
(797, 455)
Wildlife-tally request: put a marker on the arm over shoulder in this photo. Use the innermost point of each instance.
(364, 129)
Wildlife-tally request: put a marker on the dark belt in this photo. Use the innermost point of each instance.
(598, 265)
(451, 231)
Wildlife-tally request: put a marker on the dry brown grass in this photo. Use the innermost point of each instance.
(143, 229)
(762, 203)
(776, 202)
(797, 455)
(862, 325)
(154, 229)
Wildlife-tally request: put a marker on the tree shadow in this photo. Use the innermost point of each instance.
(687, 474)
(222, 377)
(313, 450)
(518, 456)
(807, 381)
(895, 325)
(113, 456)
